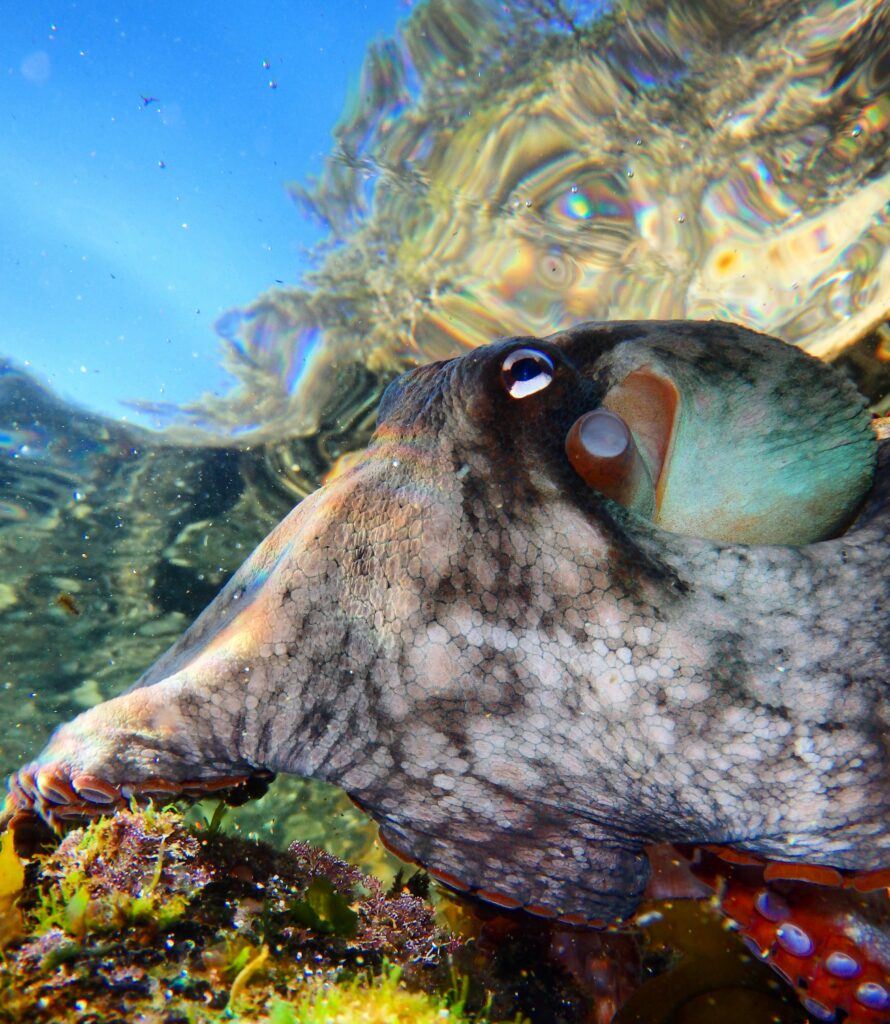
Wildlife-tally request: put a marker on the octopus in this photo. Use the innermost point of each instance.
(583, 598)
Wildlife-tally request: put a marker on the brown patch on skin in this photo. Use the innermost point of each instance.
(649, 404)
(869, 881)
(499, 899)
(732, 856)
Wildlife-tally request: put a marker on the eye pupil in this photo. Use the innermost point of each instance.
(525, 371)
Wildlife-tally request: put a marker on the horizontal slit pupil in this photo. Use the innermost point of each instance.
(526, 369)
(525, 372)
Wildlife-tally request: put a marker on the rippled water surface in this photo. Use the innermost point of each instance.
(502, 172)
(502, 169)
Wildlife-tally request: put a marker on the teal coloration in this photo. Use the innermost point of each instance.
(759, 454)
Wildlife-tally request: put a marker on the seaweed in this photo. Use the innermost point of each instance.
(145, 916)
(140, 914)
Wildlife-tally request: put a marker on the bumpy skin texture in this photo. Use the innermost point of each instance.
(522, 682)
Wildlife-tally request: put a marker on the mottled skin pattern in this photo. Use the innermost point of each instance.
(523, 683)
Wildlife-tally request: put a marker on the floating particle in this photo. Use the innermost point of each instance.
(67, 603)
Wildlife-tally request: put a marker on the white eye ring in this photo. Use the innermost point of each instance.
(526, 371)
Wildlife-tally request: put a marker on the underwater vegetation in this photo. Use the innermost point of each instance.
(141, 917)
(503, 169)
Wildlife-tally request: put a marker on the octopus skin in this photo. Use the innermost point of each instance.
(583, 595)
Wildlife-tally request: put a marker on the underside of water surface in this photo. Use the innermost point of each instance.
(502, 170)
(513, 169)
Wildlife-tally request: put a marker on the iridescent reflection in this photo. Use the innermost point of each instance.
(505, 170)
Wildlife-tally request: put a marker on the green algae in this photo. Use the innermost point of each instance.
(325, 910)
(385, 1001)
(110, 878)
(145, 917)
(141, 916)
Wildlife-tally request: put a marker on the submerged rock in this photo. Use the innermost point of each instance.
(140, 917)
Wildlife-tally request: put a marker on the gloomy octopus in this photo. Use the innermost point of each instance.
(623, 586)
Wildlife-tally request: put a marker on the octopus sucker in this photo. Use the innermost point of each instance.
(618, 587)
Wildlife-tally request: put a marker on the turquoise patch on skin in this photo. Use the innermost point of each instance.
(778, 454)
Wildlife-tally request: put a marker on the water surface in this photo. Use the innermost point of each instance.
(498, 170)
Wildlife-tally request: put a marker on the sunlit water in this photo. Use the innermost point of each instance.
(498, 172)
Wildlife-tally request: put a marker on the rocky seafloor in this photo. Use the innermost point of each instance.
(146, 917)
(112, 539)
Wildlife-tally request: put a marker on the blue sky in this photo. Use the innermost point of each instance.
(129, 227)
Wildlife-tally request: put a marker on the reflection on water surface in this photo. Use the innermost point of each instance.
(503, 169)
(506, 172)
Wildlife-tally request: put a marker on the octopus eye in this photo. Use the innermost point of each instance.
(526, 371)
